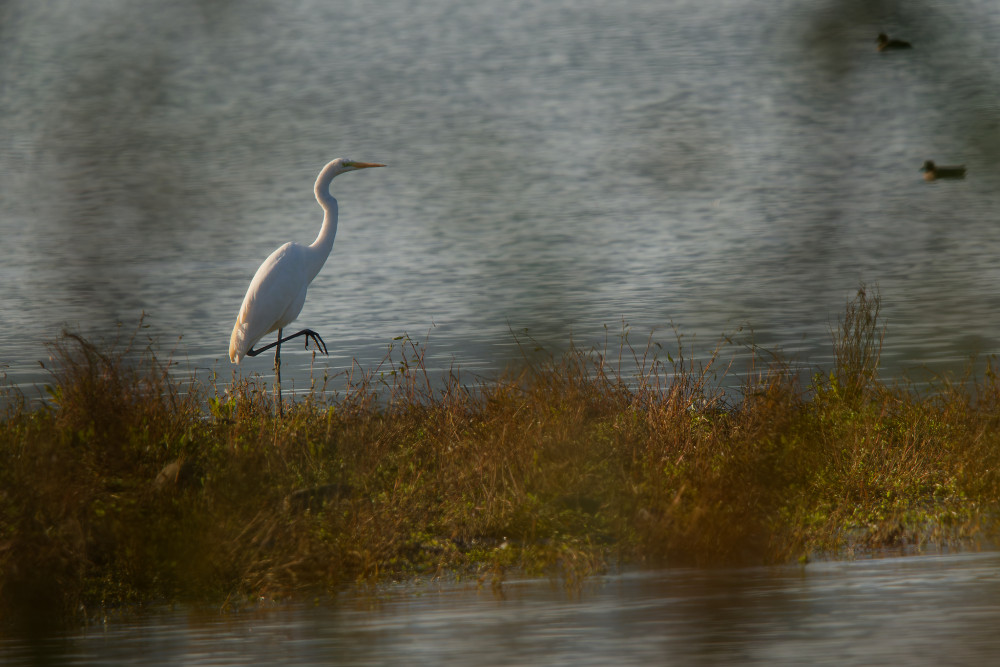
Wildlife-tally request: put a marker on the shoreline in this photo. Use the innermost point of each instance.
(128, 487)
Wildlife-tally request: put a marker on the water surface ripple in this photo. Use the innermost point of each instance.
(557, 167)
(916, 610)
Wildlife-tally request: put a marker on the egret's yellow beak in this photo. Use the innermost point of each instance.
(364, 165)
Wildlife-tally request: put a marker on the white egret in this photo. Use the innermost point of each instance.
(278, 289)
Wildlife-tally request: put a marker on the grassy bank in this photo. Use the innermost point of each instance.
(128, 487)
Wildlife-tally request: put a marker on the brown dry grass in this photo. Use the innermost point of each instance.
(129, 487)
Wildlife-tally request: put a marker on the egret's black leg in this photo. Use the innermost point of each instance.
(308, 333)
(277, 374)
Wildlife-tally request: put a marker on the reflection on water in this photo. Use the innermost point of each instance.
(555, 166)
(910, 610)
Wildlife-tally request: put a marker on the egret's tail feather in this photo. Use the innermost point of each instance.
(237, 343)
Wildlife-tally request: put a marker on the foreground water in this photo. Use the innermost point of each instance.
(557, 167)
(915, 610)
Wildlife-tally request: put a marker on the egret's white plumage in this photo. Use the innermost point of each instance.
(278, 289)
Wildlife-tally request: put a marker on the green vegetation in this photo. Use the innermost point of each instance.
(128, 487)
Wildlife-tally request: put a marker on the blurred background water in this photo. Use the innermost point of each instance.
(929, 610)
(559, 166)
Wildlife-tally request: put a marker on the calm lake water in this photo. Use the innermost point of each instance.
(917, 610)
(559, 167)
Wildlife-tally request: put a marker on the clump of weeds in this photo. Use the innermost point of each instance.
(127, 486)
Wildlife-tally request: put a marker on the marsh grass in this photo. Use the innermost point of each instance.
(128, 487)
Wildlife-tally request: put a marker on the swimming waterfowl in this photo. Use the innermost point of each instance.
(885, 43)
(932, 171)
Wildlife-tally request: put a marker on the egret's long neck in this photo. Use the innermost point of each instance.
(323, 244)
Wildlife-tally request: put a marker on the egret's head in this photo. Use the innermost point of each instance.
(342, 164)
(335, 168)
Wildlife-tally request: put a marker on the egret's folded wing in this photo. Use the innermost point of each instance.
(274, 298)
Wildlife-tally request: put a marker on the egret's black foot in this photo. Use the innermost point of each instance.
(310, 334)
